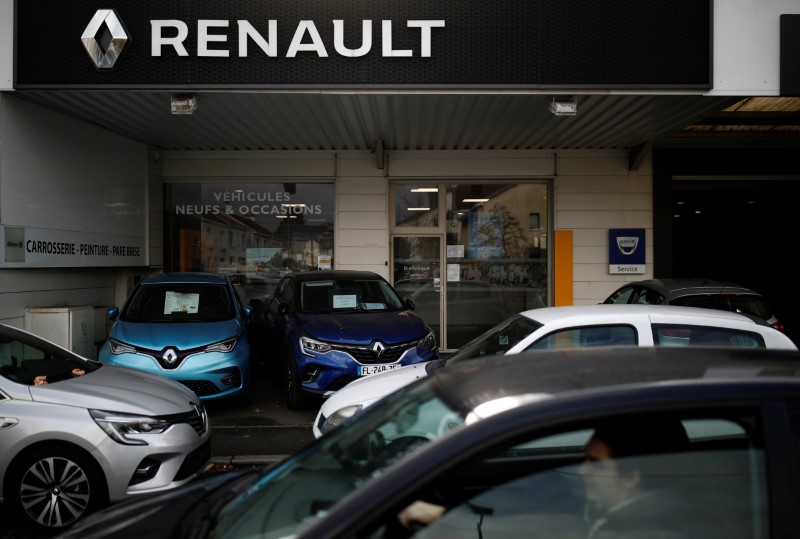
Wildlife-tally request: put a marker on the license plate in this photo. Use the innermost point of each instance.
(366, 370)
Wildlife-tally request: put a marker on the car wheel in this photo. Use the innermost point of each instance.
(54, 487)
(295, 399)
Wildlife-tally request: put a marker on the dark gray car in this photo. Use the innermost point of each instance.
(500, 445)
(704, 293)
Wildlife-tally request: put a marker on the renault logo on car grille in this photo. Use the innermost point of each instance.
(378, 349)
(105, 38)
(169, 356)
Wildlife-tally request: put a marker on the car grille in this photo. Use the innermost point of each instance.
(201, 388)
(194, 461)
(176, 360)
(364, 355)
(197, 419)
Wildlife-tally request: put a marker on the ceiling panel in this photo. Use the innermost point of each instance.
(236, 120)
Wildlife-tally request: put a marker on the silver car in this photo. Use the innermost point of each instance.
(76, 435)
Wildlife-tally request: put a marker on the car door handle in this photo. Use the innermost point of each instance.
(7, 422)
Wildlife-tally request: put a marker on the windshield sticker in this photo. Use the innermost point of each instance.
(177, 302)
(347, 301)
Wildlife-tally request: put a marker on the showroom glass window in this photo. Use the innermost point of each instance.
(265, 229)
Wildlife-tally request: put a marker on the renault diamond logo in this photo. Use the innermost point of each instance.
(105, 38)
(378, 349)
(169, 355)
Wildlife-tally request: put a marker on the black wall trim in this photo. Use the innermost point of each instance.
(503, 44)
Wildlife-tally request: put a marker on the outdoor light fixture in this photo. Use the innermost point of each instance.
(566, 105)
(474, 200)
(183, 103)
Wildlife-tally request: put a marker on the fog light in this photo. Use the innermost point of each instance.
(145, 471)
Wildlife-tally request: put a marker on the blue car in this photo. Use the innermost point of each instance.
(331, 327)
(190, 327)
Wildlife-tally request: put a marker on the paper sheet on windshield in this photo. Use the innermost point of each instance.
(177, 302)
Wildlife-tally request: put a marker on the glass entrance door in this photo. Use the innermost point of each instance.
(469, 255)
(417, 276)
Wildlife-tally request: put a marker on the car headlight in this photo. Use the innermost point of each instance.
(339, 416)
(310, 346)
(428, 341)
(119, 347)
(223, 346)
(123, 428)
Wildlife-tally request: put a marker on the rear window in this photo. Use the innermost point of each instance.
(743, 303)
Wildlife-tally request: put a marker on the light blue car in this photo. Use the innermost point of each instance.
(190, 327)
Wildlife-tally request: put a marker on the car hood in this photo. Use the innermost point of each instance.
(168, 514)
(119, 389)
(184, 335)
(363, 328)
(369, 389)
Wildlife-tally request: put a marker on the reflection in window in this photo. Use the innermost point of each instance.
(253, 228)
(416, 205)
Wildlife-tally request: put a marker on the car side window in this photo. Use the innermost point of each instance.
(685, 335)
(583, 337)
(645, 296)
(623, 295)
(652, 475)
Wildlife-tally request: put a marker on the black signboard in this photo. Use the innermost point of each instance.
(462, 44)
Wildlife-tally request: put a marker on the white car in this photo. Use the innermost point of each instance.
(569, 327)
(76, 434)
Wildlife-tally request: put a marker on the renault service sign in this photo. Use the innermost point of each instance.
(626, 250)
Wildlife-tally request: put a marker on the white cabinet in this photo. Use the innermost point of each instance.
(70, 327)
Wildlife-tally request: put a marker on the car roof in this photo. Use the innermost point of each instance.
(185, 277)
(471, 383)
(677, 287)
(335, 274)
(606, 313)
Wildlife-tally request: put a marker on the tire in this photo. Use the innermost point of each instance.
(53, 487)
(295, 398)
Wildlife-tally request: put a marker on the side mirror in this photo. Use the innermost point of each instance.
(247, 311)
(112, 313)
(283, 308)
(409, 303)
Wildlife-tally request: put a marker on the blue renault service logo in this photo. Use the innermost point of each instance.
(105, 38)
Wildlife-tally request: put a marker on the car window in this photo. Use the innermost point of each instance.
(750, 304)
(685, 335)
(498, 340)
(179, 302)
(703, 477)
(22, 363)
(646, 296)
(623, 295)
(582, 337)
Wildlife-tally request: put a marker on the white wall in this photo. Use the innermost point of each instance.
(595, 191)
(6, 44)
(59, 174)
(747, 44)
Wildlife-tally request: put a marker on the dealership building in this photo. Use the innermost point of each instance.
(484, 157)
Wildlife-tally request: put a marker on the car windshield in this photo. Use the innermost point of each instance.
(24, 363)
(337, 295)
(290, 496)
(179, 302)
(498, 340)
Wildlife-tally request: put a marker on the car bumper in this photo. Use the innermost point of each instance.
(211, 375)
